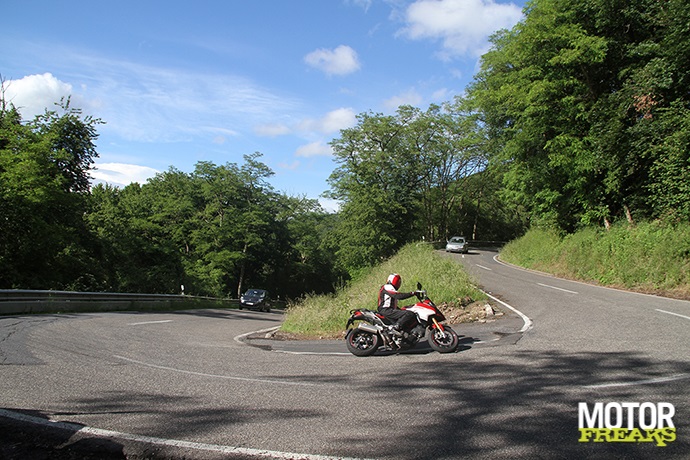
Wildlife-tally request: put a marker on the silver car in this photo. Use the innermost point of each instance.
(457, 244)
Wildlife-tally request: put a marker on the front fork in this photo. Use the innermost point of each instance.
(438, 325)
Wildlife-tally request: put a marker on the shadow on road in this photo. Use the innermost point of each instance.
(522, 407)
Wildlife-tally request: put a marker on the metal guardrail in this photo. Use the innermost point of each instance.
(19, 301)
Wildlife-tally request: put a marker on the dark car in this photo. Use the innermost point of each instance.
(255, 299)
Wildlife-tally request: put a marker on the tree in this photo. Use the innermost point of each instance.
(572, 93)
(376, 181)
(449, 149)
(44, 170)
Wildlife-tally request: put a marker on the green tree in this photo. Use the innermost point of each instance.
(376, 182)
(572, 93)
(44, 171)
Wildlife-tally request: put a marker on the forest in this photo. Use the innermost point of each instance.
(578, 117)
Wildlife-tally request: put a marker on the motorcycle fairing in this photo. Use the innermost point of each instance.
(423, 310)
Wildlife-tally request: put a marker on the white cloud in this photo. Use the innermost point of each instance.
(338, 119)
(272, 130)
(463, 25)
(152, 104)
(33, 94)
(364, 4)
(314, 149)
(342, 60)
(332, 122)
(122, 174)
(441, 94)
(409, 97)
(290, 167)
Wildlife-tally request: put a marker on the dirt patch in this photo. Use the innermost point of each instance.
(469, 312)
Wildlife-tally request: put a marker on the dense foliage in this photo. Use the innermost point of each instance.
(44, 241)
(215, 231)
(415, 175)
(579, 116)
(587, 102)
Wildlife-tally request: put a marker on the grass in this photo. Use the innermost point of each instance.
(326, 315)
(651, 257)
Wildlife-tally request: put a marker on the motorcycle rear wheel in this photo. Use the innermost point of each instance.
(443, 341)
(362, 343)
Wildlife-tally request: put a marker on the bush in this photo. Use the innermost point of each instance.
(649, 257)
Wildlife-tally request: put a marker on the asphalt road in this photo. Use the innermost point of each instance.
(204, 385)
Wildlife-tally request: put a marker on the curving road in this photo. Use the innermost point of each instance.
(197, 384)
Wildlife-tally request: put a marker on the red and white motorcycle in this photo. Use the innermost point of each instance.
(369, 331)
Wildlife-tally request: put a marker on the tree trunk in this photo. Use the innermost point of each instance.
(628, 215)
(242, 270)
(476, 216)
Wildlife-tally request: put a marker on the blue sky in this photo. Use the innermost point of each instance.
(212, 80)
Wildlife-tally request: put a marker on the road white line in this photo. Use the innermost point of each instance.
(333, 353)
(671, 313)
(227, 377)
(640, 382)
(557, 288)
(98, 432)
(240, 338)
(485, 268)
(584, 283)
(150, 322)
(527, 322)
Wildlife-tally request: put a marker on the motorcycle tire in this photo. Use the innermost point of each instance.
(445, 341)
(362, 343)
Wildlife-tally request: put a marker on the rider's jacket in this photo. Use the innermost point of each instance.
(389, 296)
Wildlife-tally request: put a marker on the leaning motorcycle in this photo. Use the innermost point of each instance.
(369, 331)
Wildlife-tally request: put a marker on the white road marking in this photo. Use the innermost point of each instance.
(640, 382)
(240, 338)
(150, 322)
(527, 322)
(584, 283)
(485, 268)
(671, 313)
(334, 353)
(162, 441)
(557, 288)
(228, 377)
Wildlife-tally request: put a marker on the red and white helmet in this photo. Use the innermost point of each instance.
(395, 280)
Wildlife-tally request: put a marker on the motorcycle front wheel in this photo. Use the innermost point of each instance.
(443, 341)
(362, 343)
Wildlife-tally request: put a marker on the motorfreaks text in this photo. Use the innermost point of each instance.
(627, 422)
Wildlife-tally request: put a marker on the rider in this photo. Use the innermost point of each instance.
(388, 303)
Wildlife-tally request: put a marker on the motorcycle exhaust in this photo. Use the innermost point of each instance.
(368, 328)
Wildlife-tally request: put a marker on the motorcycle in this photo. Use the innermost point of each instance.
(372, 330)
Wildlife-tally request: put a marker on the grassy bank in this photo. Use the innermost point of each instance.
(325, 316)
(649, 257)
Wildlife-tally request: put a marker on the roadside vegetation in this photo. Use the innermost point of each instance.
(650, 257)
(578, 121)
(444, 279)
